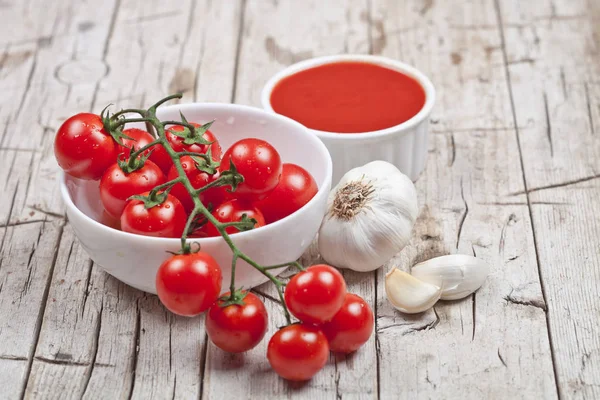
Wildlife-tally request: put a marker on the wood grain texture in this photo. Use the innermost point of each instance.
(556, 103)
(512, 177)
(498, 335)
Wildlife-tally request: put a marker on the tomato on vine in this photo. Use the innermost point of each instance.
(83, 148)
(188, 284)
(237, 328)
(141, 138)
(234, 211)
(166, 219)
(198, 179)
(296, 188)
(260, 165)
(351, 326)
(316, 294)
(297, 352)
(116, 186)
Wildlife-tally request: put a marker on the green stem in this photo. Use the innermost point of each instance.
(296, 264)
(153, 108)
(236, 254)
(199, 208)
(129, 110)
(167, 184)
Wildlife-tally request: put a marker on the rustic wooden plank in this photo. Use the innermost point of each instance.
(27, 259)
(269, 43)
(555, 98)
(493, 344)
(129, 338)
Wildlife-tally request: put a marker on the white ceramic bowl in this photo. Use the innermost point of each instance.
(403, 145)
(134, 259)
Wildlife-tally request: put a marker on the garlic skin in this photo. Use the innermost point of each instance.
(409, 294)
(459, 275)
(371, 213)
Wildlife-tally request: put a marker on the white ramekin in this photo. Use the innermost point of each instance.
(403, 145)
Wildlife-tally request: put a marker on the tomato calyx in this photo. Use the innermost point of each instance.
(244, 224)
(113, 125)
(132, 163)
(237, 297)
(192, 136)
(232, 177)
(153, 199)
(205, 162)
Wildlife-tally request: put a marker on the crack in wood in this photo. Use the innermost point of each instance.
(526, 302)
(452, 150)
(95, 346)
(136, 349)
(153, 17)
(238, 50)
(557, 185)
(589, 108)
(13, 358)
(500, 25)
(203, 362)
(501, 358)
(377, 343)
(88, 283)
(474, 313)
(512, 218)
(464, 216)
(266, 296)
(563, 82)
(548, 125)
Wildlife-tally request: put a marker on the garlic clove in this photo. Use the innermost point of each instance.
(458, 274)
(409, 294)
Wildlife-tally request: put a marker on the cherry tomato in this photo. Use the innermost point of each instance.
(297, 352)
(116, 186)
(351, 327)
(139, 139)
(232, 211)
(164, 220)
(260, 165)
(296, 188)
(178, 145)
(83, 148)
(198, 179)
(315, 295)
(188, 284)
(237, 328)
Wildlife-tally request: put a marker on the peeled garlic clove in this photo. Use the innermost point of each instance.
(458, 274)
(409, 294)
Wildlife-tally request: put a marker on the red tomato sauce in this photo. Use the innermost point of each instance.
(348, 97)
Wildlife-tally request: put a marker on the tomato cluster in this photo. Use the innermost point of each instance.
(331, 319)
(145, 191)
(269, 192)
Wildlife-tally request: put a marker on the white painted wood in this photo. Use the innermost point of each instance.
(68, 330)
(488, 345)
(556, 96)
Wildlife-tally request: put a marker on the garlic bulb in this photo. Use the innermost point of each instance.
(409, 294)
(371, 213)
(459, 275)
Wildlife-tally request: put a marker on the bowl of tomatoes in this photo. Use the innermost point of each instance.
(287, 219)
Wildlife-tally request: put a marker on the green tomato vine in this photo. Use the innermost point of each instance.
(191, 134)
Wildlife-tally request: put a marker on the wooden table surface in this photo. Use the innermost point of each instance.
(513, 176)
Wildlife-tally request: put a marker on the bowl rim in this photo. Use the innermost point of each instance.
(325, 183)
(386, 62)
